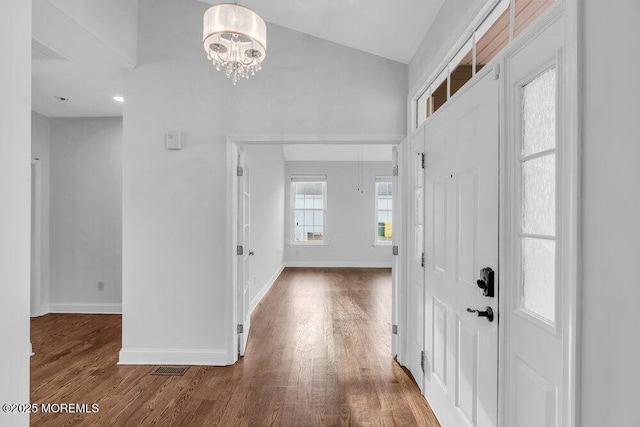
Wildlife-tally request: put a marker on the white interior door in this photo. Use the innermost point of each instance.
(537, 349)
(461, 194)
(395, 242)
(415, 291)
(243, 251)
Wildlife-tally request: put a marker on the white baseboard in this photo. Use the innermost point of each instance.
(85, 308)
(339, 264)
(158, 356)
(265, 288)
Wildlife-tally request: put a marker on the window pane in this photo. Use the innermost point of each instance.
(299, 202)
(538, 274)
(308, 202)
(299, 217)
(317, 233)
(489, 44)
(539, 113)
(539, 195)
(527, 11)
(439, 96)
(308, 217)
(462, 73)
(318, 218)
(318, 202)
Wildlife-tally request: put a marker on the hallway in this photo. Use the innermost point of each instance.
(318, 354)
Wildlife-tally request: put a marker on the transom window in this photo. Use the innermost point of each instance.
(309, 208)
(508, 19)
(384, 210)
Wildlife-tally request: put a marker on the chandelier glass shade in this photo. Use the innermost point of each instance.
(235, 38)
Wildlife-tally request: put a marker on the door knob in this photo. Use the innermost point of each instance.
(488, 313)
(485, 282)
(251, 253)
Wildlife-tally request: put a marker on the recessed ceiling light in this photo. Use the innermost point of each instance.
(62, 98)
(118, 98)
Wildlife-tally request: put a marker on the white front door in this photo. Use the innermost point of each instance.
(244, 252)
(461, 197)
(415, 292)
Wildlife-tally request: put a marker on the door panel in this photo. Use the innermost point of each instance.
(461, 189)
(415, 294)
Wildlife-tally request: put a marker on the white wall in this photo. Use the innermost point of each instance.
(175, 298)
(15, 150)
(266, 165)
(350, 224)
(611, 222)
(41, 149)
(86, 214)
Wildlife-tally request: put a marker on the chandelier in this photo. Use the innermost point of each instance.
(235, 38)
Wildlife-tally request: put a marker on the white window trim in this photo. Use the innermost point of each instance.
(292, 226)
(378, 179)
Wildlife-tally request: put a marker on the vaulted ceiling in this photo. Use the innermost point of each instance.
(94, 41)
(387, 28)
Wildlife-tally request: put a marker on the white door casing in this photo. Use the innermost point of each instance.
(537, 359)
(244, 254)
(415, 291)
(461, 197)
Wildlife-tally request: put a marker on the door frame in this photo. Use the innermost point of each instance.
(36, 248)
(232, 148)
(570, 12)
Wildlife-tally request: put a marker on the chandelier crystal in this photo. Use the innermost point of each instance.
(235, 38)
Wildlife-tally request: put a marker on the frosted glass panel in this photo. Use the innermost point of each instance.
(419, 208)
(539, 195)
(538, 271)
(539, 113)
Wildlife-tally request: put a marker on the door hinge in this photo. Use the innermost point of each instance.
(240, 171)
(496, 72)
(395, 170)
(239, 250)
(424, 160)
(240, 329)
(422, 260)
(394, 329)
(394, 250)
(422, 360)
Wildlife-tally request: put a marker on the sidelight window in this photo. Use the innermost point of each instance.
(538, 190)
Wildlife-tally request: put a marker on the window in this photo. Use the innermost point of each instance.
(384, 210)
(538, 204)
(309, 209)
(484, 43)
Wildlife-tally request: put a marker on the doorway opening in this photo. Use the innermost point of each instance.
(307, 203)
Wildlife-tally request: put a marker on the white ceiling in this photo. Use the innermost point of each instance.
(92, 73)
(337, 152)
(387, 28)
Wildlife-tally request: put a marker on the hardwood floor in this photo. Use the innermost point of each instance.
(318, 354)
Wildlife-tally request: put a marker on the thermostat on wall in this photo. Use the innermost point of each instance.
(173, 140)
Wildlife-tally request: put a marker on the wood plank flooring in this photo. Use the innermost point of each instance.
(318, 354)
